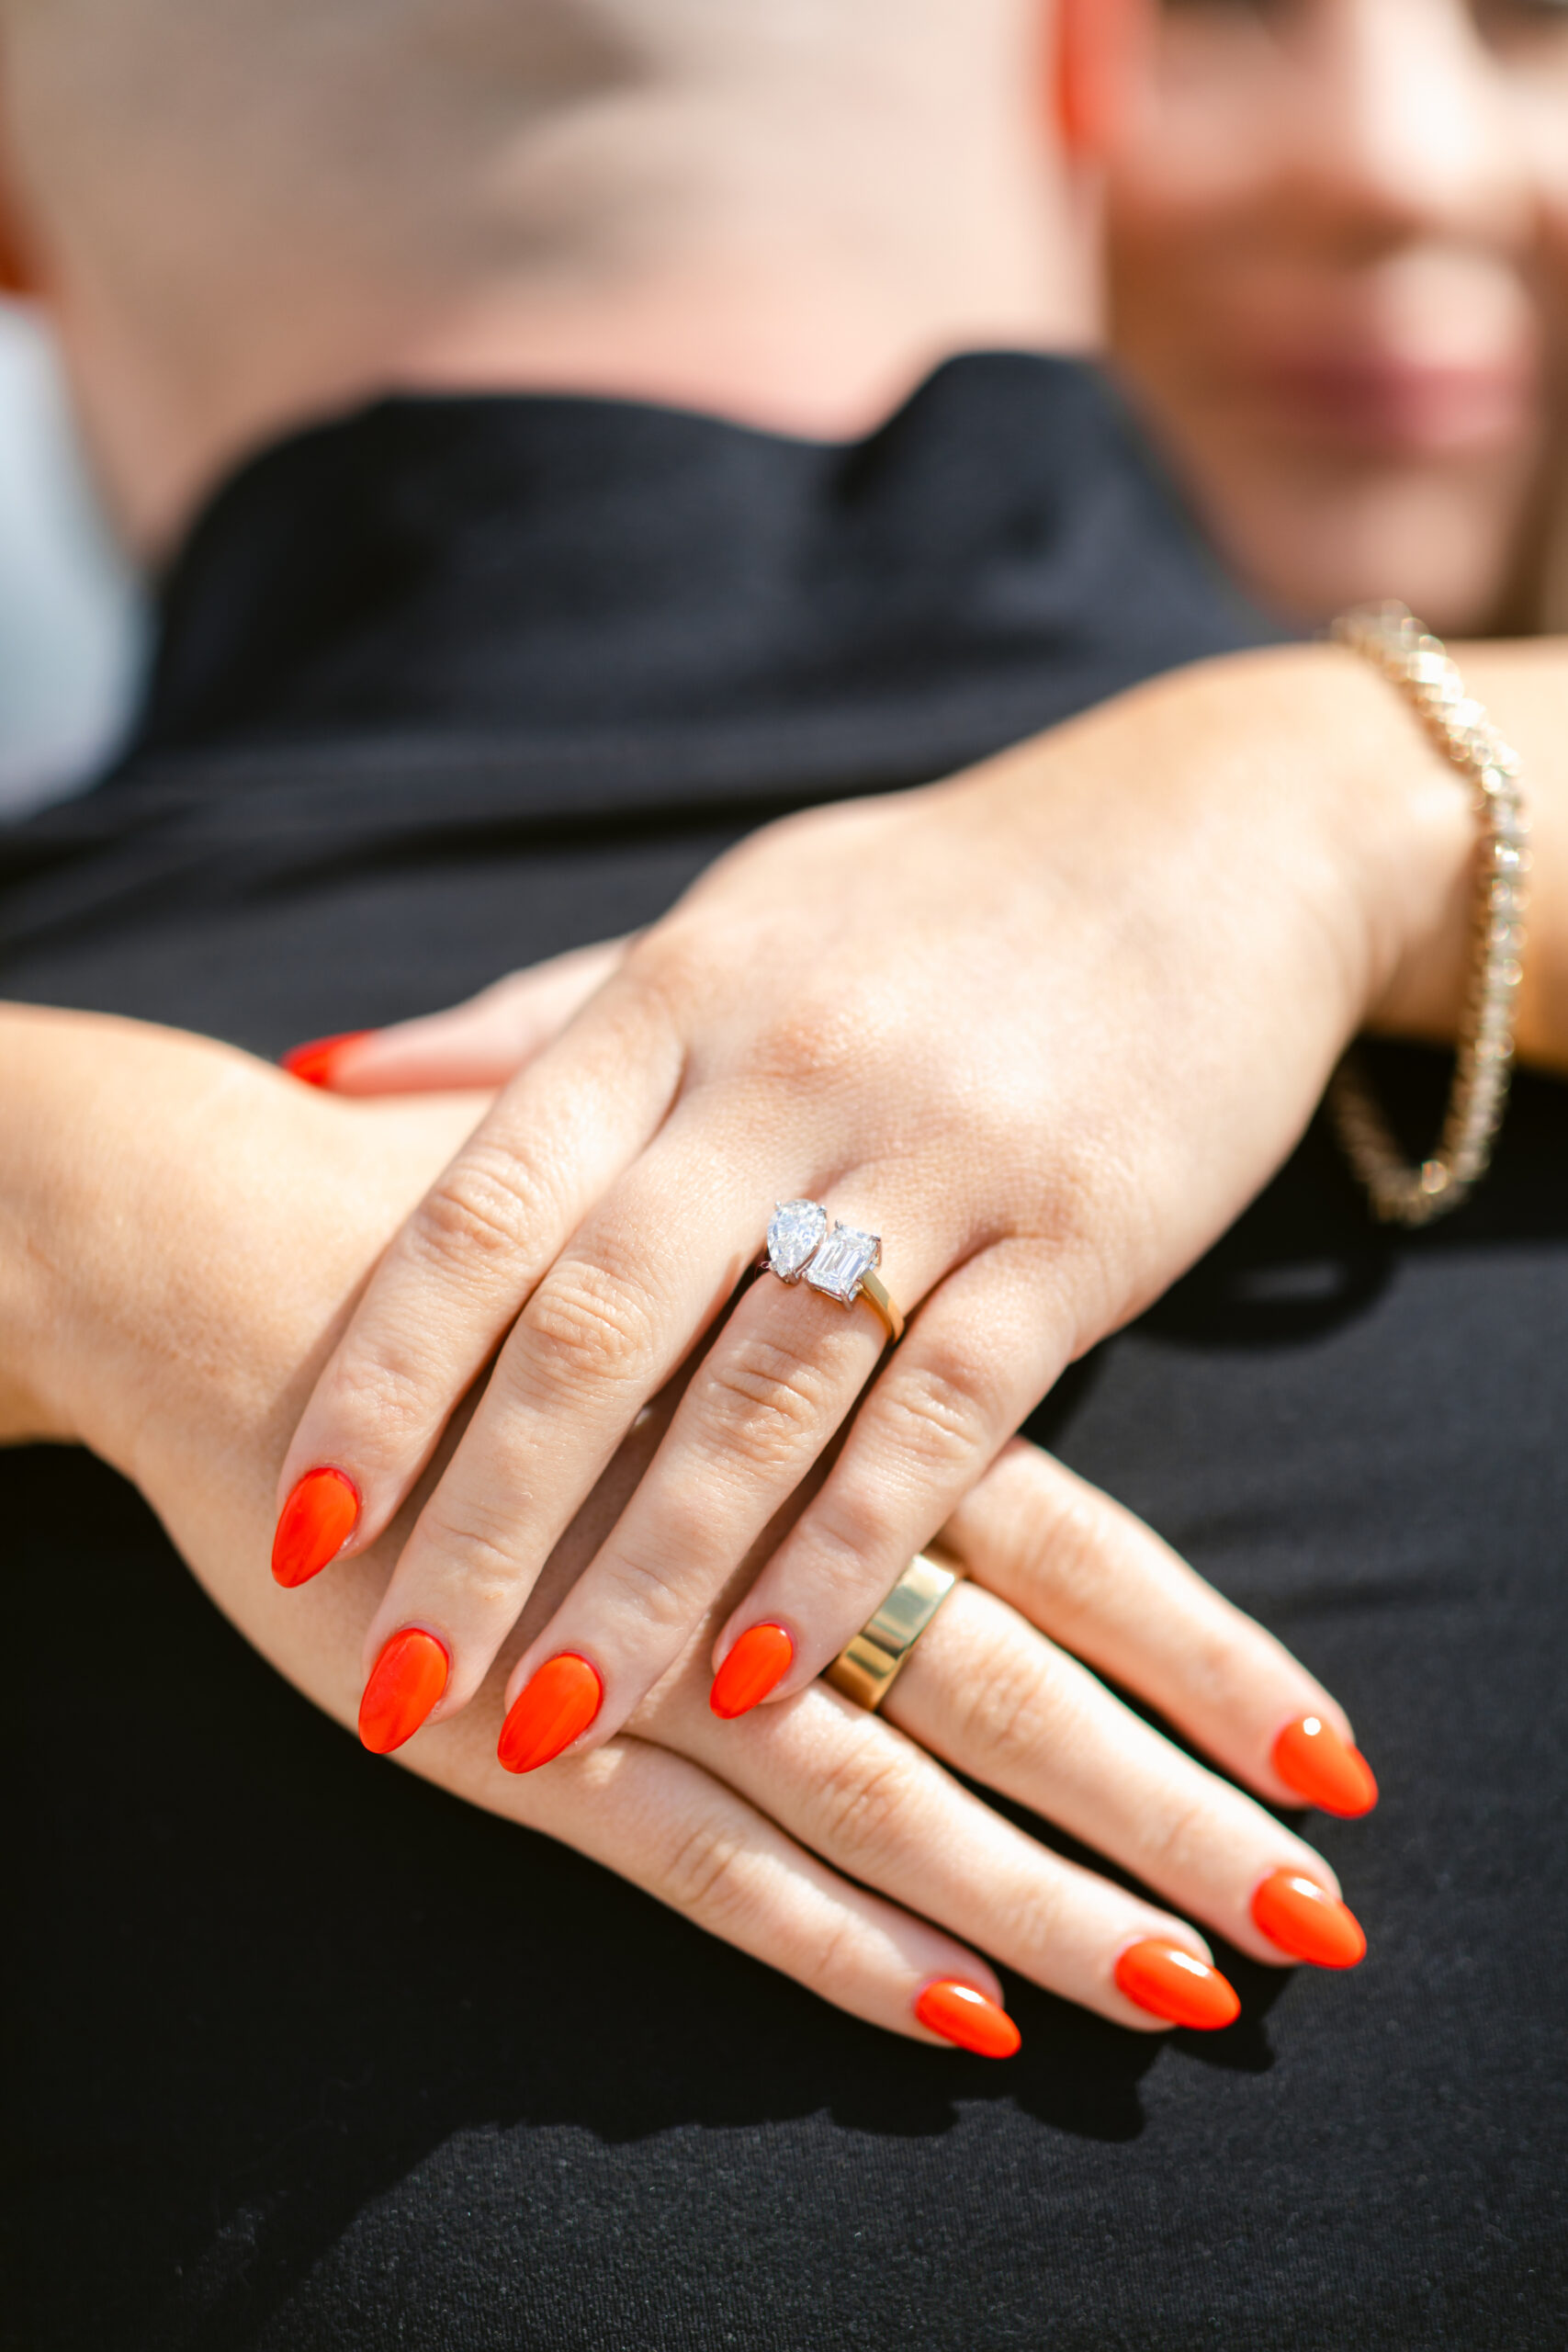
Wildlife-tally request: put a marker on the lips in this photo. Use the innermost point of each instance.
(1383, 403)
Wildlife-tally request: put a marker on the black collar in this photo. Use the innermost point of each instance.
(631, 593)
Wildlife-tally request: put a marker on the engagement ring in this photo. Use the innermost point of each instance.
(840, 1264)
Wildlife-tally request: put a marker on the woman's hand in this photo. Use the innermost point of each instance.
(1045, 1031)
(182, 1236)
(493, 1037)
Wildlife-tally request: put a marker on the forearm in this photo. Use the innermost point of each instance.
(182, 1234)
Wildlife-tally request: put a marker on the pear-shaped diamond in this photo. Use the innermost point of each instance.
(794, 1229)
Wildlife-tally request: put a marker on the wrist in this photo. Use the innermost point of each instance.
(1411, 831)
(1350, 816)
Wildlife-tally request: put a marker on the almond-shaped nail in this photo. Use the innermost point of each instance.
(757, 1664)
(1308, 1922)
(405, 1682)
(961, 2014)
(313, 1526)
(553, 1708)
(1314, 1760)
(315, 1061)
(1173, 1984)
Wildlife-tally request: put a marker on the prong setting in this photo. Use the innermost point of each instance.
(841, 1262)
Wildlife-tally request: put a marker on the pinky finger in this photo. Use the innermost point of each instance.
(1094, 1579)
(685, 1838)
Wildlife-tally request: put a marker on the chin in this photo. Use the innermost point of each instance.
(1443, 540)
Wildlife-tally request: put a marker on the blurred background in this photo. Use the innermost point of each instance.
(73, 627)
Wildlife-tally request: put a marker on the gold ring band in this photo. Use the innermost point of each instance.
(865, 1670)
(875, 1293)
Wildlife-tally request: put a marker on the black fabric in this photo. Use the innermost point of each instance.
(306, 2054)
(497, 676)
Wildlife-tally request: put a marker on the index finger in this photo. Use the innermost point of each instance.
(461, 1269)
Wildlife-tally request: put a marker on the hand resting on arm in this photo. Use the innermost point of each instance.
(1046, 1029)
(183, 1234)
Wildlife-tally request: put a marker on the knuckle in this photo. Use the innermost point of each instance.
(478, 1549)
(1044, 1535)
(765, 1400)
(704, 1872)
(1175, 1840)
(830, 1963)
(385, 1394)
(1066, 1552)
(1012, 1713)
(484, 1207)
(935, 1415)
(837, 1548)
(593, 1326)
(865, 1799)
(667, 970)
(1219, 1666)
(813, 1045)
(646, 1593)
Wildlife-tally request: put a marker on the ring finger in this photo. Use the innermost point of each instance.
(608, 1326)
(766, 1399)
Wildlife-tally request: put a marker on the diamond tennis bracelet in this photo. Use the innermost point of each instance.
(1394, 642)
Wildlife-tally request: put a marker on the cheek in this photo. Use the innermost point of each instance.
(1538, 129)
(1169, 270)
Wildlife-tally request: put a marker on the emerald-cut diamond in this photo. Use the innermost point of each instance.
(794, 1229)
(842, 1261)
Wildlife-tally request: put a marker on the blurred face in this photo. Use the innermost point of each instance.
(1331, 289)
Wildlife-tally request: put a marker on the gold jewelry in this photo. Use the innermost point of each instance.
(1394, 642)
(865, 1669)
(875, 1293)
(841, 1264)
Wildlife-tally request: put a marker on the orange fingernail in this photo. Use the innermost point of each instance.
(405, 1682)
(1308, 1922)
(960, 2014)
(757, 1664)
(1173, 1984)
(550, 1711)
(315, 1062)
(313, 1526)
(1321, 1767)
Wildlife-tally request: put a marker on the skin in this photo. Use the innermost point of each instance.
(143, 1312)
(1333, 288)
(636, 223)
(607, 1205)
(156, 1304)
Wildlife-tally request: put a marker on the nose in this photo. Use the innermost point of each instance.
(1403, 130)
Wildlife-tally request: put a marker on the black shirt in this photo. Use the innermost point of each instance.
(313, 2055)
(457, 683)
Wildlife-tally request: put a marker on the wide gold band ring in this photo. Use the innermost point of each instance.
(840, 1264)
(865, 1670)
